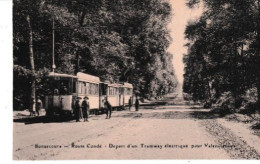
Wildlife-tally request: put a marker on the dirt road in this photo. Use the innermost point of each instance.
(164, 132)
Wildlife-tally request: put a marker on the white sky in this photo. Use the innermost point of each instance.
(182, 15)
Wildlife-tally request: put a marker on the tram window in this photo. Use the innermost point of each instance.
(74, 86)
(87, 88)
(96, 89)
(90, 89)
(93, 89)
(128, 92)
(79, 87)
(64, 87)
(103, 89)
(121, 90)
(83, 89)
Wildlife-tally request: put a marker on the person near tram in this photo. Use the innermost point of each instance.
(32, 107)
(85, 108)
(137, 104)
(38, 105)
(77, 109)
(130, 103)
(108, 108)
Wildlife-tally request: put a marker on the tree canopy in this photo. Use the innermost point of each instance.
(223, 51)
(116, 40)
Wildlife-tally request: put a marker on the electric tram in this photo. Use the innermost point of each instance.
(66, 88)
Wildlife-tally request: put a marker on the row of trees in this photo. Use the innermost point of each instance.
(117, 40)
(222, 64)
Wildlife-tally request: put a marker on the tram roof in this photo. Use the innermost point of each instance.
(88, 78)
(54, 74)
(115, 85)
(127, 85)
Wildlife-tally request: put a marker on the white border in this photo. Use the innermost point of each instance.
(6, 86)
(6, 124)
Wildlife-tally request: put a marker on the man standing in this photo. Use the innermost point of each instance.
(32, 107)
(38, 105)
(130, 103)
(108, 108)
(77, 109)
(136, 104)
(85, 108)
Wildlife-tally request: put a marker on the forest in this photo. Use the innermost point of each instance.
(116, 40)
(222, 64)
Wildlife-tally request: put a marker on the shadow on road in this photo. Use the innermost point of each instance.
(205, 115)
(134, 115)
(43, 119)
(172, 115)
(156, 113)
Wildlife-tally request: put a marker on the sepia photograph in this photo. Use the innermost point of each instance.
(135, 80)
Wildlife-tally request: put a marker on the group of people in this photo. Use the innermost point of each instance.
(130, 102)
(36, 106)
(82, 109)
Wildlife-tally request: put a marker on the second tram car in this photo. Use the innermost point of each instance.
(127, 93)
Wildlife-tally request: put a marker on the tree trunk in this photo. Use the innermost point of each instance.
(81, 22)
(77, 62)
(258, 55)
(258, 96)
(31, 58)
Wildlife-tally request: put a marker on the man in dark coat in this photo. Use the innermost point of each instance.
(85, 108)
(32, 107)
(136, 104)
(130, 103)
(108, 108)
(38, 105)
(77, 109)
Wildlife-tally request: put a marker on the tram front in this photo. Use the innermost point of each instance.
(62, 94)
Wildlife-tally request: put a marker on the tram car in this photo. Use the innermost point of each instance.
(127, 92)
(111, 92)
(66, 88)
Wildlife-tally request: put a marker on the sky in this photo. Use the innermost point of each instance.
(181, 16)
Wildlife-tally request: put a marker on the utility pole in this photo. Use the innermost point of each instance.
(53, 46)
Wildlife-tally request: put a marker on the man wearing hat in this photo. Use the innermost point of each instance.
(108, 108)
(136, 104)
(77, 109)
(32, 107)
(85, 108)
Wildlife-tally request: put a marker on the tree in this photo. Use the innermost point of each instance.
(229, 31)
(115, 40)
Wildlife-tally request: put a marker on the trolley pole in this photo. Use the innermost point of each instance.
(53, 46)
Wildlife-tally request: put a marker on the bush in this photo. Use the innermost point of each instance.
(225, 104)
(249, 102)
